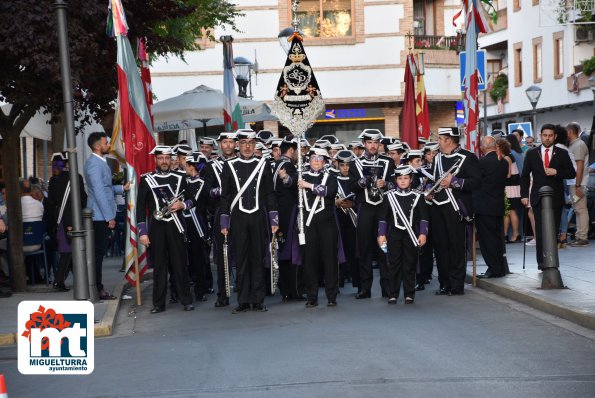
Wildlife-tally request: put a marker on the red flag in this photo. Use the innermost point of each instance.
(408, 123)
(422, 116)
(136, 132)
(145, 76)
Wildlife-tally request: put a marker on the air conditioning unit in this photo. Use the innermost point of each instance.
(583, 35)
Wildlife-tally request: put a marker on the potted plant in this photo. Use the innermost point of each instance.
(499, 88)
(588, 66)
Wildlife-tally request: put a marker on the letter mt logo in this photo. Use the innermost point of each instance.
(56, 337)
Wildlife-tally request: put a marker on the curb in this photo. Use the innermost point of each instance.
(102, 329)
(575, 315)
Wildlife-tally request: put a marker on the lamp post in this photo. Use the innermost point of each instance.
(592, 85)
(242, 68)
(533, 93)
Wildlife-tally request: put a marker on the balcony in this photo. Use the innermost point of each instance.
(426, 42)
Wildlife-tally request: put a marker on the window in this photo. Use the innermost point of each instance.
(558, 55)
(518, 64)
(537, 60)
(494, 67)
(516, 5)
(336, 20)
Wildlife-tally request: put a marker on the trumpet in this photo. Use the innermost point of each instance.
(348, 211)
(166, 210)
(436, 187)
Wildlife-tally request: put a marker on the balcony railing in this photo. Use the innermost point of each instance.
(426, 42)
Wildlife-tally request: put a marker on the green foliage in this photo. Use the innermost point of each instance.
(499, 88)
(588, 65)
(30, 77)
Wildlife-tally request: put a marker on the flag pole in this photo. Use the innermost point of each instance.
(137, 276)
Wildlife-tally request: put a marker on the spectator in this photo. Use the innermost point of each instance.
(488, 202)
(32, 209)
(516, 151)
(101, 200)
(562, 142)
(519, 134)
(529, 143)
(580, 151)
(512, 189)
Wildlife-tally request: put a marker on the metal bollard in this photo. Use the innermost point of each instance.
(551, 273)
(90, 243)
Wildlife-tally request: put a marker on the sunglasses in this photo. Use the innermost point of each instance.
(317, 157)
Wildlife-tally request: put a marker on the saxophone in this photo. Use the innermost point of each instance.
(274, 265)
(226, 268)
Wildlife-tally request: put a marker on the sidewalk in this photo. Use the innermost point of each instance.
(576, 303)
(105, 311)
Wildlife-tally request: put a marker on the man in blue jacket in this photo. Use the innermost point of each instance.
(100, 191)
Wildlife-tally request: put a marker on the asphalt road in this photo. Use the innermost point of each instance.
(477, 345)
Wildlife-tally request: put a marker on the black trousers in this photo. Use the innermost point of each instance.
(168, 250)
(320, 252)
(449, 241)
(102, 234)
(426, 258)
(198, 260)
(250, 237)
(291, 278)
(402, 262)
(490, 230)
(367, 231)
(63, 265)
(539, 232)
(348, 236)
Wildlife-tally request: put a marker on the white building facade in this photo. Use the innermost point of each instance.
(357, 49)
(533, 45)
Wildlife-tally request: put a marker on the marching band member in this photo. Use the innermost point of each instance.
(345, 205)
(212, 189)
(368, 176)
(285, 178)
(197, 227)
(165, 234)
(248, 210)
(395, 151)
(206, 146)
(426, 255)
(414, 161)
(319, 189)
(452, 209)
(402, 229)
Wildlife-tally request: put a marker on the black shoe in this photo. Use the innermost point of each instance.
(420, 286)
(201, 297)
(222, 302)
(301, 298)
(392, 300)
(331, 303)
(408, 300)
(173, 299)
(60, 287)
(363, 295)
(259, 307)
(311, 304)
(241, 308)
(156, 310)
(188, 307)
(4, 294)
(444, 291)
(456, 292)
(285, 299)
(210, 291)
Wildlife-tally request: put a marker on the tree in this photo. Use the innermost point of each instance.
(30, 78)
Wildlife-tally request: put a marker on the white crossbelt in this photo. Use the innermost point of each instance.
(316, 201)
(395, 205)
(152, 184)
(64, 200)
(247, 184)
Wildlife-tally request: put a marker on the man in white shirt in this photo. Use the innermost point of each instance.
(32, 208)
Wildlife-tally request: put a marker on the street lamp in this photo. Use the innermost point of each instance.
(592, 84)
(533, 93)
(284, 35)
(242, 67)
